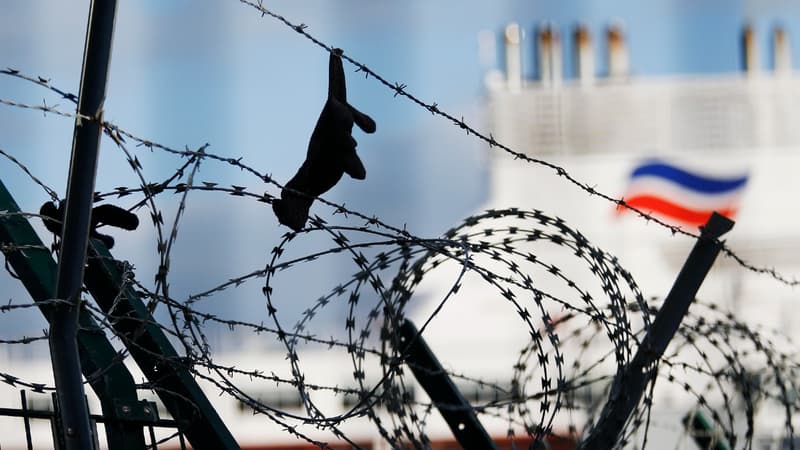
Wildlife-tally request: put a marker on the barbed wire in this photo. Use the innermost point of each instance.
(50, 192)
(579, 313)
(400, 89)
(393, 389)
(118, 134)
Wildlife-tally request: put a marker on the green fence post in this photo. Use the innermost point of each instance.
(100, 363)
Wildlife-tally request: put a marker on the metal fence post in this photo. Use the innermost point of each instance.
(630, 383)
(101, 365)
(26, 420)
(155, 355)
(80, 190)
(454, 408)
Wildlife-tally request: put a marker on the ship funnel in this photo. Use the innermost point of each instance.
(781, 51)
(618, 62)
(513, 40)
(548, 50)
(749, 50)
(584, 55)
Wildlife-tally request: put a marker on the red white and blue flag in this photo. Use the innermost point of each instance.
(682, 196)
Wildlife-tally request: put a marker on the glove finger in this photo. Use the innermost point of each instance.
(353, 166)
(52, 217)
(107, 240)
(114, 216)
(363, 121)
(336, 83)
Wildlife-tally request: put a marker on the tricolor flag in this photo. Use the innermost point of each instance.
(682, 196)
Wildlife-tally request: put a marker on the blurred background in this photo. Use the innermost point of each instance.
(189, 73)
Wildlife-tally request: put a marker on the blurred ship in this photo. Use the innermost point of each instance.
(677, 147)
(735, 132)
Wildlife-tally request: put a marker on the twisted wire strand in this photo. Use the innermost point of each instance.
(400, 89)
(601, 315)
